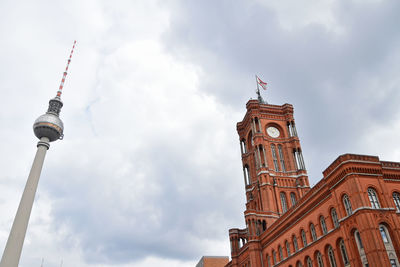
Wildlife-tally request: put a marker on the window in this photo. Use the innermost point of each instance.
(243, 146)
(313, 233)
(319, 259)
(323, 225)
(359, 241)
(283, 201)
(246, 175)
(295, 245)
(396, 199)
(309, 262)
(257, 124)
(390, 250)
(274, 257)
(268, 260)
(303, 237)
(281, 158)
(344, 252)
(294, 129)
(293, 198)
(331, 257)
(261, 156)
(373, 198)
(280, 252)
(383, 234)
(273, 151)
(334, 218)
(347, 205)
(299, 264)
(295, 159)
(250, 142)
(287, 248)
(288, 129)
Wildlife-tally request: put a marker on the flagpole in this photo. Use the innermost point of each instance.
(258, 88)
(260, 99)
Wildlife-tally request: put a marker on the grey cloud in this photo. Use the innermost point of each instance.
(325, 74)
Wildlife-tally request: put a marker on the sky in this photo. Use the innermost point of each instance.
(149, 171)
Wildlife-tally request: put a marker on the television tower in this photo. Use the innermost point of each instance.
(47, 128)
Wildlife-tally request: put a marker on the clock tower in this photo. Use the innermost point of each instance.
(275, 176)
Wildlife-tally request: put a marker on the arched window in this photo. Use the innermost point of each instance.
(331, 256)
(257, 125)
(274, 257)
(359, 241)
(319, 259)
(347, 205)
(280, 252)
(303, 238)
(295, 159)
(295, 245)
(289, 129)
(387, 240)
(283, 201)
(309, 262)
(268, 260)
(396, 199)
(264, 225)
(383, 234)
(373, 198)
(313, 233)
(299, 264)
(250, 142)
(323, 225)
(360, 247)
(293, 198)
(246, 173)
(343, 251)
(261, 157)
(282, 159)
(294, 128)
(243, 147)
(287, 247)
(335, 220)
(275, 159)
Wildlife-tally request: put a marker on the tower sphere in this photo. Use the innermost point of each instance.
(48, 125)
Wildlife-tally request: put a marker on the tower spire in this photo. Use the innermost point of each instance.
(59, 92)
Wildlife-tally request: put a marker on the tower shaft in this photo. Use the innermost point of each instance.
(12, 251)
(273, 165)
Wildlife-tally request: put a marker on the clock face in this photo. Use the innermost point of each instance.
(273, 132)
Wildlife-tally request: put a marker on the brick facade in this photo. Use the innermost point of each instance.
(350, 218)
(212, 261)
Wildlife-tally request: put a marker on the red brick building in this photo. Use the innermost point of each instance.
(350, 218)
(212, 261)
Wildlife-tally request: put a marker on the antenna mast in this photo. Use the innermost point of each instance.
(59, 92)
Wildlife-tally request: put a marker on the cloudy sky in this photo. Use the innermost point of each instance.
(149, 172)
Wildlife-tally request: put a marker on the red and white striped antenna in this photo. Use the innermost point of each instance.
(59, 92)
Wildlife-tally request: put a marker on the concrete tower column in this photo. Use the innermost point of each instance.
(12, 251)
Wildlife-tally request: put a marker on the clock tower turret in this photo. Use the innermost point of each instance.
(275, 176)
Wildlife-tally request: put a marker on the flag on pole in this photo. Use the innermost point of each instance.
(261, 83)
